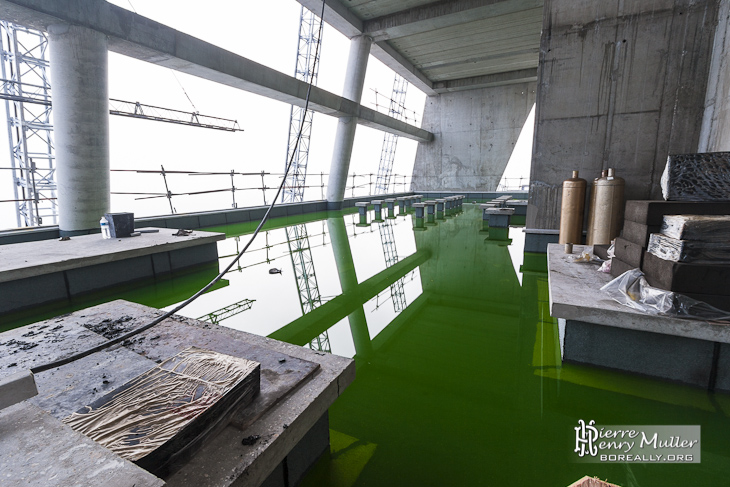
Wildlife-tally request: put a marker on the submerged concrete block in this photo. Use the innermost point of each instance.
(679, 359)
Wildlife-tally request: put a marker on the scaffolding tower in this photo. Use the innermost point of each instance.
(390, 141)
(387, 239)
(307, 67)
(30, 131)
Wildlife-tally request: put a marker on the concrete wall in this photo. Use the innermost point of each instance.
(475, 132)
(620, 84)
(715, 135)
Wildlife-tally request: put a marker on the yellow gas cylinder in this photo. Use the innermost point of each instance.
(592, 203)
(571, 210)
(607, 212)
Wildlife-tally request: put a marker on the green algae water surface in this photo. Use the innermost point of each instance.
(460, 380)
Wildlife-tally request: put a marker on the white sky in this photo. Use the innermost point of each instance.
(265, 32)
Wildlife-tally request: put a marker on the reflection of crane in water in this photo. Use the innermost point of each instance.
(226, 312)
(306, 278)
(391, 257)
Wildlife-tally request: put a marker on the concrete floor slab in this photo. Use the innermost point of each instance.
(281, 418)
(29, 259)
(37, 449)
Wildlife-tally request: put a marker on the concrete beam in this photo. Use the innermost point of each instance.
(139, 37)
(446, 13)
(487, 81)
(348, 24)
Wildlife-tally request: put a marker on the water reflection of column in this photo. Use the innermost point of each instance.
(348, 282)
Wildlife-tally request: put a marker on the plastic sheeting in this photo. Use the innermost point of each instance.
(632, 290)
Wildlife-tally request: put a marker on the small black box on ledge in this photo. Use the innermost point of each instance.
(120, 224)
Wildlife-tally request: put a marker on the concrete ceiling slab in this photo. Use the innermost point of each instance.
(445, 42)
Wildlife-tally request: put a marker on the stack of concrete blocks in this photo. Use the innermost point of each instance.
(362, 209)
(390, 203)
(378, 210)
(703, 282)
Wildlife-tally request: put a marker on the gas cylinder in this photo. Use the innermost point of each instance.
(571, 210)
(592, 203)
(607, 212)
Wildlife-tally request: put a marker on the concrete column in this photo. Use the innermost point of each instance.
(81, 124)
(348, 283)
(357, 63)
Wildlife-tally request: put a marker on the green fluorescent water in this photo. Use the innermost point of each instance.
(459, 376)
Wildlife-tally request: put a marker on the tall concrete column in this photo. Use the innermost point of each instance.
(79, 77)
(357, 64)
(349, 285)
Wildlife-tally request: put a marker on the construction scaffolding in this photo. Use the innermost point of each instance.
(390, 141)
(300, 251)
(30, 131)
(387, 239)
(307, 67)
(226, 312)
(180, 117)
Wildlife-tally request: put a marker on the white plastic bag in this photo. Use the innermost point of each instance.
(632, 290)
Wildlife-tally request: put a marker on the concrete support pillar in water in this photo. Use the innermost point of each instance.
(418, 198)
(377, 210)
(348, 283)
(390, 202)
(420, 210)
(431, 211)
(357, 63)
(401, 205)
(79, 61)
(362, 209)
(409, 203)
(440, 209)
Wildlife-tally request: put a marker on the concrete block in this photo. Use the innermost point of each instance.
(212, 219)
(161, 263)
(32, 291)
(303, 456)
(18, 387)
(183, 221)
(91, 278)
(638, 233)
(238, 216)
(537, 240)
(275, 478)
(256, 214)
(678, 359)
(275, 212)
(182, 258)
(629, 252)
(722, 380)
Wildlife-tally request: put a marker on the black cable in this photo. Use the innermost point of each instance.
(126, 336)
